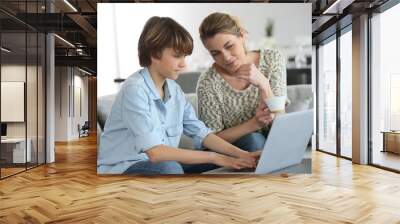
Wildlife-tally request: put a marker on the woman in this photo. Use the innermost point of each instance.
(146, 121)
(232, 93)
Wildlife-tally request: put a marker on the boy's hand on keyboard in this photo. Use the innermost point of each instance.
(256, 155)
(232, 162)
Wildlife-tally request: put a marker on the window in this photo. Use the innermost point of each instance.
(394, 119)
(327, 97)
(22, 65)
(385, 86)
(346, 94)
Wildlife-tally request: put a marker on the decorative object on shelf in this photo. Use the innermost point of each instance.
(268, 41)
(83, 130)
(269, 28)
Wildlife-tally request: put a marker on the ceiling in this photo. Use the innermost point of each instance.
(76, 22)
(76, 26)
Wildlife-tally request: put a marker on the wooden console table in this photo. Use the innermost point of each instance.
(391, 141)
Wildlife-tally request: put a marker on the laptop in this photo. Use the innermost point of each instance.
(285, 146)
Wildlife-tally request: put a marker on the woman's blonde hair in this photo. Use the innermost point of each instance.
(219, 23)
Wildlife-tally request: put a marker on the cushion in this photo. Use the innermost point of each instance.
(192, 98)
(188, 81)
(186, 142)
(104, 104)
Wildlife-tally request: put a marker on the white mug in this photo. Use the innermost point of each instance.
(276, 104)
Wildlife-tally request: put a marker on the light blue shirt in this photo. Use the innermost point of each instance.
(140, 119)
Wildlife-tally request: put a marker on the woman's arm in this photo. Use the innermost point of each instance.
(217, 144)
(274, 69)
(262, 118)
(266, 91)
(270, 77)
(234, 133)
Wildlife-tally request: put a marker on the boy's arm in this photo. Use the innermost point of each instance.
(161, 153)
(166, 153)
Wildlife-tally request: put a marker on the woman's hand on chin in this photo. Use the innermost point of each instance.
(251, 73)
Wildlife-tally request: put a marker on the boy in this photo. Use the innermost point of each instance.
(150, 113)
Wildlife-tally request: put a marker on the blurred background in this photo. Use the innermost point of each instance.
(268, 26)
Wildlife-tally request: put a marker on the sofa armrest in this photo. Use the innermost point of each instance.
(300, 96)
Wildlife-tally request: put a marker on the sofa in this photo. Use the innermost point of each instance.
(300, 96)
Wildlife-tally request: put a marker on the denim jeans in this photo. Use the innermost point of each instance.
(147, 167)
(250, 142)
(198, 168)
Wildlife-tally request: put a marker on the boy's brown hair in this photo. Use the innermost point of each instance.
(160, 33)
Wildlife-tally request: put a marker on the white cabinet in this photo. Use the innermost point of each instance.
(17, 147)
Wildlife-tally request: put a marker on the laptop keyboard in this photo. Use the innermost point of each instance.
(245, 170)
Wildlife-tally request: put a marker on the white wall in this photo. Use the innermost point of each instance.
(69, 79)
(120, 25)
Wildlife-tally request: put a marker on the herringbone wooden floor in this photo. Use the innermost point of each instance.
(70, 191)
